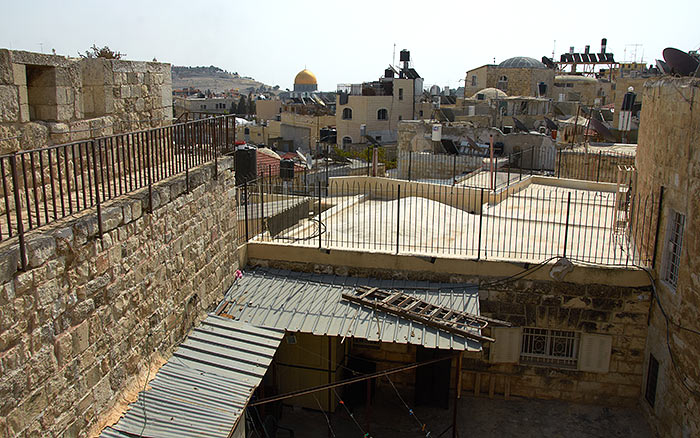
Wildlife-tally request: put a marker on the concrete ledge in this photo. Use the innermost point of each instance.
(376, 263)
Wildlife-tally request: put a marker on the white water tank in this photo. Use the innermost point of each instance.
(437, 132)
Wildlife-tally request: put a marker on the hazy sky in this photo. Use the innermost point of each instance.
(351, 41)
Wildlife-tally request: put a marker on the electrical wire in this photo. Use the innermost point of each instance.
(328, 420)
(682, 376)
(410, 411)
(342, 403)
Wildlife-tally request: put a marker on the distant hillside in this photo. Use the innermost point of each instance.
(214, 79)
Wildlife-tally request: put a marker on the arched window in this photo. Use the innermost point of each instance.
(346, 140)
(347, 114)
(382, 114)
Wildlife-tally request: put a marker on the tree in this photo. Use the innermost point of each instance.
(102, 52)
(242, 106)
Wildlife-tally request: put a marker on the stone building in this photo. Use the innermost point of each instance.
(49, 99)
(668, 156)
(518, 76)
(584, 89)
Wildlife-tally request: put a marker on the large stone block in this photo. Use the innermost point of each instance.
(9, 103)
(5, 68)
(40, 249)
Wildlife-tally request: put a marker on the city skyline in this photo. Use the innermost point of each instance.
(345, 45)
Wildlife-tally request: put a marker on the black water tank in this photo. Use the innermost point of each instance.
(287, 169)
(404, 55)
(498, 148)
(246, 163)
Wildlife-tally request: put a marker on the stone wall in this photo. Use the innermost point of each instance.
(91, 315)
(592, 166)
(49, 99)
(668, 155)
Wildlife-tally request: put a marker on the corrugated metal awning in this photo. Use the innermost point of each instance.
(204, 388)
(311, 303)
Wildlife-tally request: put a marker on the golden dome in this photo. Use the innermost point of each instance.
(305, 77)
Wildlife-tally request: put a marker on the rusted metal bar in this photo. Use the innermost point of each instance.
(566, 228)
(658, 226)
(149, 161)
(7, 200)
(97, 190)
(18, 212)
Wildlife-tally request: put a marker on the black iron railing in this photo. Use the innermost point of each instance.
(527, 222)
(41, 186)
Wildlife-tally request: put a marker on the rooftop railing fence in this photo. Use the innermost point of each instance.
(54, 182)
(524, 222)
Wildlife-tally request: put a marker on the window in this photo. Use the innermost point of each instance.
(549, 347)
(674, 244)
(346, 140)
(41, 92)
(400, 118)
(503, 83)
(378, 138)
(473, 80)
(400, 93)
(382, 114)
(347, 114)
(652, 377)
(420, 113)
(202, 107)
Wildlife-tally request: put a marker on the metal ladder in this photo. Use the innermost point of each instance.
(409, 307)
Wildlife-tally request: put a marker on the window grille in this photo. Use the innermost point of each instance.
(347, 114)
(674, 245)
(549, 347)
(382, 114)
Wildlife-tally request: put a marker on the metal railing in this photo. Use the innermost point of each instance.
(592, 166)
(527, 222)
(41, 186)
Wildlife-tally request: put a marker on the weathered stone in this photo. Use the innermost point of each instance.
(9, 260)
(111, 218)
(80, 336)
(40, 249)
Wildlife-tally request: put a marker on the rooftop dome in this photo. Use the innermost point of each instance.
(305, 77)
(490, 93)
(521, 62)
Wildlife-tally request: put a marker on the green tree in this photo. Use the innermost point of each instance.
(242, 106)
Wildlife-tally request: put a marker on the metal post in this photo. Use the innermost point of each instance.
(532, 159)
(147, 149)
(245, 208)
(410, 160)
(510, 161)
(216, 149)
(18, 212)
(187, 164)
(398, 216)
(481, 218)
(319, 214)
(495, 175)
(566, 229)
(454, 169)
(261, 189)
(597, 176)
(658, 227)
(327, 155)
(97, 192)
(558, 154)
(369, 160)
(458, 393)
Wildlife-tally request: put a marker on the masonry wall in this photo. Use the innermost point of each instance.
(91, 316)
(49, 99)
(668, 155)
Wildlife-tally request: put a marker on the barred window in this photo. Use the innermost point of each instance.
(674, 244)
(549, 347)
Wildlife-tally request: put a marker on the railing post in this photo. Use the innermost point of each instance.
(510, 161)
(328, 153)
(495, 175)
(319, 214)
(532, 160)
(398, 216)
(369, 161)
(481, 219)
(566, 228)
(245, 207)
(410, 161)
(658, 227)
(148, 151)
(597, 176)
(97, 191)
(18, 212)
(215, 147)
(558, 153)
(188, 138)
(454, 169)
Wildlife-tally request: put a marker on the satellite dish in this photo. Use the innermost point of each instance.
(309, 161)
(663, 67)
(680, 62)
(549, 63)
(520, 126)
(601, 129)
(550, 124)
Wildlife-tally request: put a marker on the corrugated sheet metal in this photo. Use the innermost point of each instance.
(311, 303)
(204, 388)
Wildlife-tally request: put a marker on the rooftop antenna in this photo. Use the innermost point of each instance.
(393, 57)
(41, 47)
(554, 48)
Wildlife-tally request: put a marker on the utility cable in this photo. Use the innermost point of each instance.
(342, 403)
(328, 420)
(410, 411)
